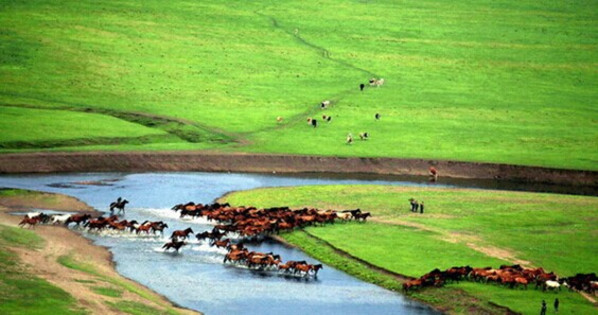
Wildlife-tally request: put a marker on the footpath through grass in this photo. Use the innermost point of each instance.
(496, 81)
(459, 227)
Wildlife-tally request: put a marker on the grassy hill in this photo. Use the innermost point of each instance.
(495, 81)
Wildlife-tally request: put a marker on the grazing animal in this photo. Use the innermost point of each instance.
(119, 204)
(349, 138)
(279, 119)
(174, 244)
(377, 116)
(376, 82)
(363, 135)
(324, 104)
(361, 86)
(314, 123)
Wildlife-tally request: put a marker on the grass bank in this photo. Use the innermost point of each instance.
(459, 227)
(20, 290)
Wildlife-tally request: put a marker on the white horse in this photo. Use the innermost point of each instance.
(550, 284)
(59, 218)
(31, 215)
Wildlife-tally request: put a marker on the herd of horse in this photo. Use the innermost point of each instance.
(249, 223)
(511, 276)
(252, 222)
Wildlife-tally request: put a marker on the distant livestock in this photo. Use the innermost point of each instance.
(325, 104)
(376, 82)
(377, 116)
(361, 86)
(279, 119)
(349, 138)
(363, 135)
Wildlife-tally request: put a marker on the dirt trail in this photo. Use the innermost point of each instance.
(471, 241)
(60, 241)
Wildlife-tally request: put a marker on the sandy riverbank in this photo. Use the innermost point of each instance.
(60, 242)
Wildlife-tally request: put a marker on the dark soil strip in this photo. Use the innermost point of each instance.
(401, 278)
(185, 130)
(257, 163)
(85, 142)
(474, 309)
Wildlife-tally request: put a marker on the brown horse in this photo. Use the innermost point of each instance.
(181, 233)
(412, 284)
(78, 219)
(30, 221)
(221, 244)
(174, 244)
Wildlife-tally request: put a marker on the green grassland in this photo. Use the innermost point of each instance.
(496, 81)
(459, 227)
(22, 292)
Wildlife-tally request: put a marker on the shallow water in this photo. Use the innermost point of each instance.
(196, 278)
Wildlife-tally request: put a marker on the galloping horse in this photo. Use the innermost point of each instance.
(118, 204)
(30, 221)
(181, 233)
(175, 245)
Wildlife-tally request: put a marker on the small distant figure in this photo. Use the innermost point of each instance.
(433, 174)
(325, 104)
(349, 138)
(279, 119)
(421, 207)
(361, 86)
(309, 121)
(414, 204)
(543, 309)
(377, 116)
(556, 305)
(314, 123)
(363, 135)
(326, 118)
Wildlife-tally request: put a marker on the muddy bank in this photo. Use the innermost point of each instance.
(216, 162)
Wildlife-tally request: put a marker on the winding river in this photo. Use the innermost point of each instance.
(196, 278)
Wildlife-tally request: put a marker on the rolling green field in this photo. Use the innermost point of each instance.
(459, 227)
(496, 81)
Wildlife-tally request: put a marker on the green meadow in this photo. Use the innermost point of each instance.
(458, 227)
(22, 292)
(494, 81)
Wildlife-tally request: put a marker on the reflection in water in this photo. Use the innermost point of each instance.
(196, 278)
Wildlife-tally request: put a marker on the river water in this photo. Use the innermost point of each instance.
(196, 278)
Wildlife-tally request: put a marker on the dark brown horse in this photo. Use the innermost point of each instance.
(362, 216)
(181, 233)
(119, 204)
(174, 244)
(78, 219)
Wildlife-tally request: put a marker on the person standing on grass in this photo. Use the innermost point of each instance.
(556, 305)
(421, 207)
(543, 309)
